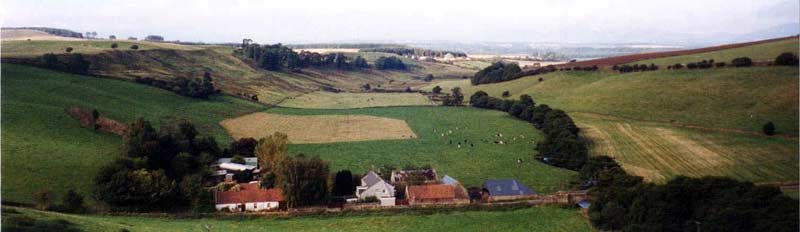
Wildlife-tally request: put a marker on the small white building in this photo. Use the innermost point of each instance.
(249, 198)
(373, 186)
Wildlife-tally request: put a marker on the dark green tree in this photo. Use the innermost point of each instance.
(768, 128)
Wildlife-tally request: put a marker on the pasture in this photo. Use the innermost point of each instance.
(44, 148)
(457, 141)
(526, 219)
(33, 48)
(329, 100)
(659, 151)
(318, 128)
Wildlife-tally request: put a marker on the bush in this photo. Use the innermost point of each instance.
(786, 59)
(437, 89)
(69, 49)
(50, 60)
(742, 62)
(507, 94)
(43, 199)
(73, 202)
(134, 47)
(769, 128)
(114, 46)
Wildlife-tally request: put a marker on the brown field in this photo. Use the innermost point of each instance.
(318, 128)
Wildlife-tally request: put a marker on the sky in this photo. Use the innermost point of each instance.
(310, 21)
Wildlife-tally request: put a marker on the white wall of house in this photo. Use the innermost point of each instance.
(379, 190)
(230, 207)
(387, 201)
(250, 206)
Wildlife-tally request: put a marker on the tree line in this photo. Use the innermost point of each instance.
(50, 30)
(562, 146)
(187, 87)
(404, 51)
(623, 202)
(277, 57)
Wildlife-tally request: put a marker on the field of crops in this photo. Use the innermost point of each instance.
(318, 128)
(22, 48)
(457, 141)
(328, 100)
(44, 148)
(528, 219)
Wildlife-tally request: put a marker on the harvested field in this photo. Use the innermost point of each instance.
(303, 129)
(26, 34)
(644, 56)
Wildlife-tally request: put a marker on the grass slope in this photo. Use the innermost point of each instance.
(730, 99)
(529, 219)
(470, 165)
(758, 52)
(44, 148)
(21, 48)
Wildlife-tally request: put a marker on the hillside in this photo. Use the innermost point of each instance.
(664, 123)
(761, 52)
(44, 148)
(167, 61)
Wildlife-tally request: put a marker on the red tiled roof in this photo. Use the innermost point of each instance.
(436, 191)
(249, 195)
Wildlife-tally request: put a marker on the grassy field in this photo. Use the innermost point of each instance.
(433, 125)
(528, 219)
(318, 128)
(329, 100)
(649, 112)
(658, 151)
(21, 48)
(44, 148)
(758, 52)
(735, 98)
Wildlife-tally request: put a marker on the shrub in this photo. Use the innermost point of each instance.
(787, 59)
(114, 46)
(50, 60)
(69, 49)
(769, 128)
(437, 89)
(43, 199)
(506, 93)
(742, 62)
(73, 202)
(134, 47)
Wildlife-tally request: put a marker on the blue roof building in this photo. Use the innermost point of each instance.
(507, 187)
(449, 180)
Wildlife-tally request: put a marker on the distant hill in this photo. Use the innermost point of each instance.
(48, 30)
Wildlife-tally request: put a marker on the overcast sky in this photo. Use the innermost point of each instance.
(573, 21)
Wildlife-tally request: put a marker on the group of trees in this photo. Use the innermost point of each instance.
(787, 59)
(72, 63)
(387, 63)
(579, 68)
(155, 38)
(455, 98)
(626, 203)
(497, 72)
(634, 68)
(278, 57)
(562, 146)
(404, 51)
(158, 169)
(193, 88)
(742, 62)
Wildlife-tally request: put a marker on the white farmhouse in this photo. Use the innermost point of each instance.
(373, 186)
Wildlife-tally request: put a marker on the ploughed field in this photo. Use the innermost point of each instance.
(526, 219)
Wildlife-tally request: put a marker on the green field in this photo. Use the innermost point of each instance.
(471, 165)
(758, 52)
(529, 219)
(21, 48)
(329, 100)
(44, 148)
(641, 118)
(659, 151)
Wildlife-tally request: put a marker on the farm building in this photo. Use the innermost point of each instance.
(249, 198)
(507, 189)
(402, 176)
(249, 161)
(436, 194)
(373, 186)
